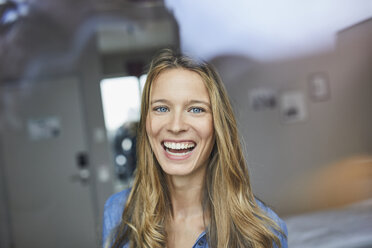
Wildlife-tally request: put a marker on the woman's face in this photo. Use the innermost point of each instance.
(179, 123)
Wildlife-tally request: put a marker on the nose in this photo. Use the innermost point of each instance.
(177, 123)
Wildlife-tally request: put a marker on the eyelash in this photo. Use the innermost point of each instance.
(157, 109)
(201, 110)
(192, 109)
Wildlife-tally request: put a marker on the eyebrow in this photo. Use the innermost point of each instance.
(198, 102)
(189, 102)
(159, 100)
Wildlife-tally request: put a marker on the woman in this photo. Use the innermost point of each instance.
(192, 187)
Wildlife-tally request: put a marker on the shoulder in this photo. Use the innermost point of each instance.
(272, 215)
(113, 210)
(117, 200)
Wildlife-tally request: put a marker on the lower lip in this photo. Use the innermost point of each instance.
(178, 157)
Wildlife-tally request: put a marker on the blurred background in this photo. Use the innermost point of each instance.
(299, 75)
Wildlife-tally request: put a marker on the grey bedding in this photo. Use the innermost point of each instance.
(349, 227)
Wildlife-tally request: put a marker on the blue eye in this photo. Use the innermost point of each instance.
(196, 110)
(161, 109)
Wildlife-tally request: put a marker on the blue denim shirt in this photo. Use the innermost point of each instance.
(115, 204)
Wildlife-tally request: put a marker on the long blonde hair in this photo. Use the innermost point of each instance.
(235, 218)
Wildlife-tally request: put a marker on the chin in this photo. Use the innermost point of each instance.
(171, 171)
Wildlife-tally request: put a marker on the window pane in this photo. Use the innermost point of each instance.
(120, 100)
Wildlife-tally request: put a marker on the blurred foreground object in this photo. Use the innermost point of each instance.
(341, 183)
(337, 184)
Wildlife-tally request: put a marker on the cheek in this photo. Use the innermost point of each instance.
(207, 130)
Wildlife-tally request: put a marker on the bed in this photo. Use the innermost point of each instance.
(349, 226)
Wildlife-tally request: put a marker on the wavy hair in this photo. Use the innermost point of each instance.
(235, 218)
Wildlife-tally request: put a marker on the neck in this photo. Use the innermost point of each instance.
(186, 195)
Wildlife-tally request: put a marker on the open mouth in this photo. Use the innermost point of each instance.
(178, 148)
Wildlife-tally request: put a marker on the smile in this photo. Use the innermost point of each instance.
(178, 150)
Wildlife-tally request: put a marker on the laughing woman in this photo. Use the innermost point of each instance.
(192, 187)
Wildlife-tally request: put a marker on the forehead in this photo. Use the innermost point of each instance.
(179, 83)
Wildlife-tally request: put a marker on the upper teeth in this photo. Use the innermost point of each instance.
(173, 145)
